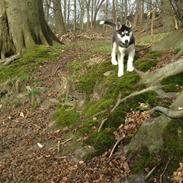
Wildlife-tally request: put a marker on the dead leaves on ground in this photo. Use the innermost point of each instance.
(133, 120)
(178, 174)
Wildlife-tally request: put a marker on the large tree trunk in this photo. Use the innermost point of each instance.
(178, 10)
(167, 16)
(22, 26)
(58, 17)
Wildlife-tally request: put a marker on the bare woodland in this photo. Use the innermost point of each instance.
(77, 89)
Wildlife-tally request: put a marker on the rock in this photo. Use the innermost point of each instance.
(133, 179)
(107, 73)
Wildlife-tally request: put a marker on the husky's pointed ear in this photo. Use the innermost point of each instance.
(118, 25)
(128, 24)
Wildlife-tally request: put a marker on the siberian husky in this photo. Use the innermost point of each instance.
(123, 43)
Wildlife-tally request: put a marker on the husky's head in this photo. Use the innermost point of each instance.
(124, 33)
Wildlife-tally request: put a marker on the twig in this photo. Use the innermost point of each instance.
(166, 166)
(150, 172)
(58, 146)
(117, 103)
(64, 142)
(99, 113)
(115, 145)
(102, 124)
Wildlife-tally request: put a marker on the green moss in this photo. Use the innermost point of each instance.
(173, 143)
(148, 61)
(101, 140)
(94, 74)
(104, 46)
(97, 106)
(31, 58)
(172, 151)
(143, 160)
(87, 125)
(65, 116)
(123, 85)
(173, 83)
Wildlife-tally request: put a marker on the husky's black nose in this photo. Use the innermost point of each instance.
(126, 41)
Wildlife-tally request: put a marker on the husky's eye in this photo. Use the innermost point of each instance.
(127, 34)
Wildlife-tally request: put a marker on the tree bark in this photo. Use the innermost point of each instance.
(178, 10)
(58, 17)
(167, 16)
(22, 26)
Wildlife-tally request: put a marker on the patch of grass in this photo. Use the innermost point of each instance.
(104, 46)
(118, 116)
(173, 83)
(94, 74)
(101, 141)
(97, 106)
(124, 85)
(150, 39)
(31, 59)
(66, 117)
(148, 61)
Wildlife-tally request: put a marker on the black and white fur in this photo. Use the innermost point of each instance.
(123, 42)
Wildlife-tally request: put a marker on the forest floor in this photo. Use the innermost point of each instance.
(30, 144)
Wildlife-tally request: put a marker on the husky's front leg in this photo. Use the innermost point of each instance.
(131, 55)
(121, 64)
(113, 54)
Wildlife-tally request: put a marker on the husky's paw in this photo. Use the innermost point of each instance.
(114, 62)
(130, 69)
(120, 74)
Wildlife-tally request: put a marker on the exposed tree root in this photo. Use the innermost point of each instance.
(8, 60)
(120, 100)
(168, 112)
(153, 129)
(162, 73)
(162, 94)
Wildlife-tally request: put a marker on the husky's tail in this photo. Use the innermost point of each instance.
(108, 23)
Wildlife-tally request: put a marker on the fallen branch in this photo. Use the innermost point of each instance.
(102, 124)
(115, 145)
(150, 172)
(168, 112)
(166, 166)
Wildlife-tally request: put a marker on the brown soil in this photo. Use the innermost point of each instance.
(29, 143)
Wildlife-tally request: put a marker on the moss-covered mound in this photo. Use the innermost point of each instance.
(170, 155)
(97, 79)
(31, 58)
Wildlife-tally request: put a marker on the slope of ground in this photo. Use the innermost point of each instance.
(71, 90)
